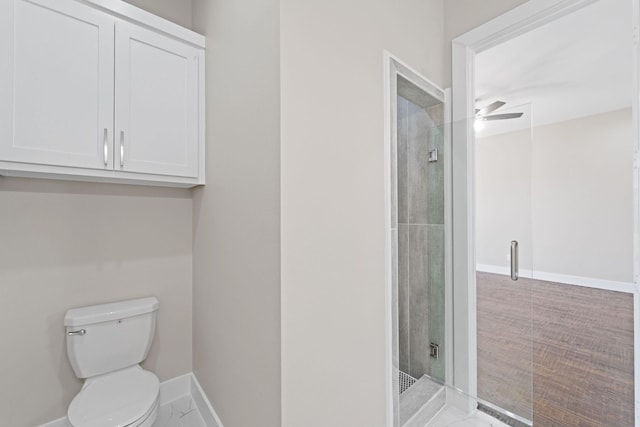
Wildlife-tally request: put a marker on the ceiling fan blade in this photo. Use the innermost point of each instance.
(501, 117)
(490, 108)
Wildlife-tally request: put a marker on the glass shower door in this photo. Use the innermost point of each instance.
(504, 262)
(420, 156)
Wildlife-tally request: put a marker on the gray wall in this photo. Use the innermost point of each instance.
(333, 199)
(236, 218)
(178, 11)
(68, 244)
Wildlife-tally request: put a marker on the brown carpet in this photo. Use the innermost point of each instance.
(560, 354)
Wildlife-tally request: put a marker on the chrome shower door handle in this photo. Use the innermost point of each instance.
(79, 332)
(105, 147)
(121, 148)
(514, 260)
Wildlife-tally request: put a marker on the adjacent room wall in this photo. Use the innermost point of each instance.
(333, 199)
(573, 197)
(503, 196)
(68, 244)
(236, 295)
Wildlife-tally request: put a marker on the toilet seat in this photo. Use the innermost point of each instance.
(125, 398)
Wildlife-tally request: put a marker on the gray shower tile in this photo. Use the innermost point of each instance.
(415, 94)
(436, 298)
(425, 180)
(436, 113)
(417, 163)
(418, 301)
(402, 141)
(403, 296)
(435, 177)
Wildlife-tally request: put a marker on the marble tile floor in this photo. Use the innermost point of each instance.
(181, 412)
(452, 417)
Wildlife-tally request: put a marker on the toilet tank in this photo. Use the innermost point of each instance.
(107, 337)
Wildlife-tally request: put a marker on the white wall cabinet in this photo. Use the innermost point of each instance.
(108, 93)
(156, 103)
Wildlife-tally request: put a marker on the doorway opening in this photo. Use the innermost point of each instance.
(553, 341)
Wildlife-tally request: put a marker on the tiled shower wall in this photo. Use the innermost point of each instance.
(420, 238)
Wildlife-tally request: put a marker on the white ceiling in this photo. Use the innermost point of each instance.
(576, 66)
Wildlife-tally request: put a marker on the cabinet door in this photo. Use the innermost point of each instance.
(57, 108)
(156, 103)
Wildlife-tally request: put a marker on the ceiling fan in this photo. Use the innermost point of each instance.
(482, 114)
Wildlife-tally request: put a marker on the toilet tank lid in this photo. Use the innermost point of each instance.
(112, 311)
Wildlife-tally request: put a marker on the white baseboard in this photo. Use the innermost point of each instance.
(609, 285)
(61, 422)
(171, 390)
(209, 415)
(175, 388)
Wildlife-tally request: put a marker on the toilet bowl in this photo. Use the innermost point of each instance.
(129, 397)
(105, 345)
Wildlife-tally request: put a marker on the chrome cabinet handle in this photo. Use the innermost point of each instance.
(79, 332)
(105, 148)
(121, 148)
(514, 260)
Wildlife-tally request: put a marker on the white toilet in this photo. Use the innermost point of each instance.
(105, 344)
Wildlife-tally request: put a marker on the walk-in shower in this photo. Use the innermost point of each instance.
(419, 159)
(420, 235)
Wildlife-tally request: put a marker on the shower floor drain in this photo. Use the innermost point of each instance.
(406, 381)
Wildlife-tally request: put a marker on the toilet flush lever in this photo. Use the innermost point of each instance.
(80, 332)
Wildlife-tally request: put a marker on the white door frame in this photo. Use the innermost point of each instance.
(520, 20)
